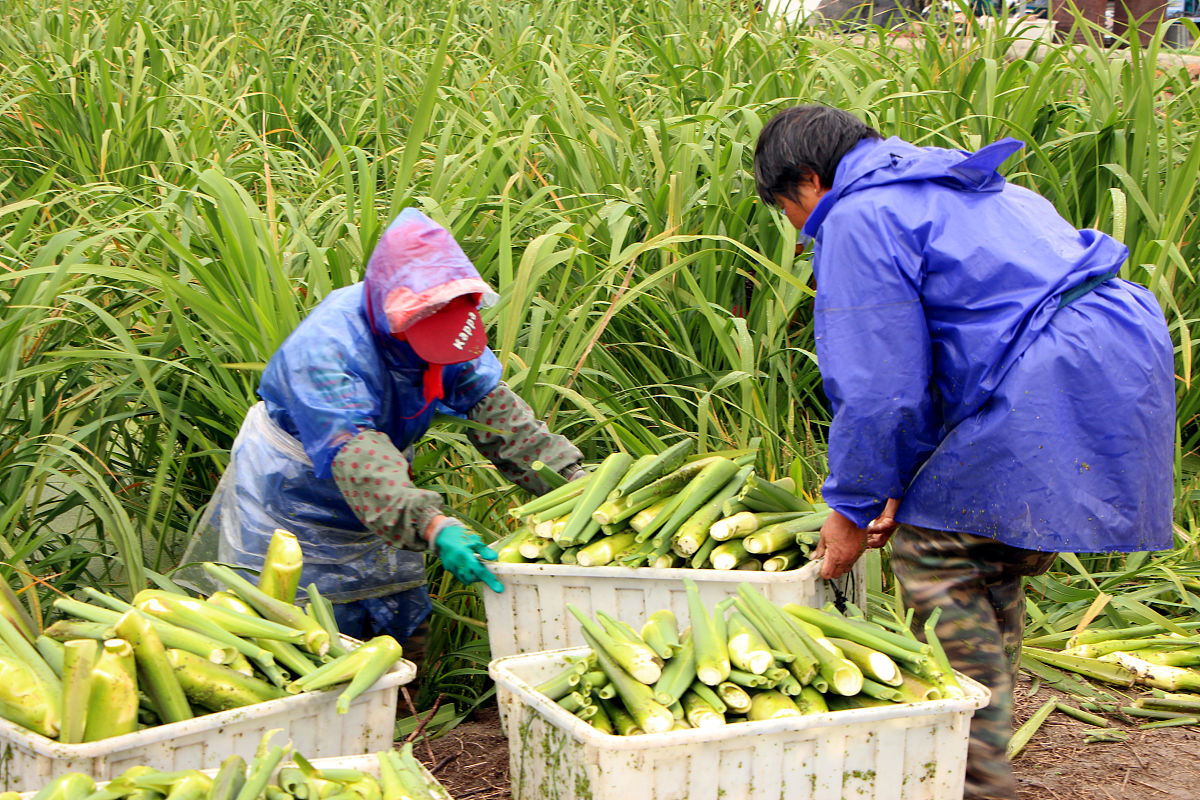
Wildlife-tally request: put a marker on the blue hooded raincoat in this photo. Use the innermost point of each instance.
(340, 373)
(981, 360)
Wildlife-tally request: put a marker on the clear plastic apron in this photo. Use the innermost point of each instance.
(270, 484)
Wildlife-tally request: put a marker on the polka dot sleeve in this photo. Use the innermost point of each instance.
(520, 439)
(373, 476)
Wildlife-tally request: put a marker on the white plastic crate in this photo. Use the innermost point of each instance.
(309, 719)
(913, 751)
(531, 615)
(367, 763)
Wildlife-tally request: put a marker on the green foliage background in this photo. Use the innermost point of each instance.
(180, 181)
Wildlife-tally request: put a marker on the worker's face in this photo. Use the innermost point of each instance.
(804, 199)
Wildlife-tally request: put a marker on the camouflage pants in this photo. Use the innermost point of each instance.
(977, 583)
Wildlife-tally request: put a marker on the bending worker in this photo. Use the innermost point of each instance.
(997, 392)
(326, 455)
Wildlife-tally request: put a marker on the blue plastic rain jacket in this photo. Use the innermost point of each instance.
(981, 361)
(339, 373)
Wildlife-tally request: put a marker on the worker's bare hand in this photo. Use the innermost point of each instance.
(842, 543)
(880, 529)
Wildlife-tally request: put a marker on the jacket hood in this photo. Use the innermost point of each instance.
(415, 270)
(875, 162)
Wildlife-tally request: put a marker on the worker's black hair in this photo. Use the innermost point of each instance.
(801, 141)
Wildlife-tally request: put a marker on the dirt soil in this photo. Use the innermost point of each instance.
(472, 760)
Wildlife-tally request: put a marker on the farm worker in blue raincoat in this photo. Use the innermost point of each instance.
(326, 455)
(998, 393)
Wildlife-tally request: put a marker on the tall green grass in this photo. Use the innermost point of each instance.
(182, 181)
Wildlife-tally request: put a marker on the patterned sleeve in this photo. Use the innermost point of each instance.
(519, 440)
(373, 476)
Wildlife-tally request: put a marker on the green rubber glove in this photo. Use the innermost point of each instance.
(461, 551)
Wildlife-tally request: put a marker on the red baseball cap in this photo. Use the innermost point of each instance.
(452, 335)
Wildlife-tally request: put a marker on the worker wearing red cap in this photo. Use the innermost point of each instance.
(326, 454)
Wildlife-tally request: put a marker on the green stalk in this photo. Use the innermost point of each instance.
(708, 695)
(744, 523)
(915, 690)
(370, 655)
(602, 551)
(193, 787)
(113, 700)
(762, 495)
(1171, 679)
(1188, 657)
(1023, 734)
(385, 652)
(554, 497)
(229, 779)
(945, 679)
(811, 701)
(699, 713)
(874, 664)
(773, 624)
(601, 721)
(200, 617)
(704, 554)
(863, 633)
(172, 636)
(612, 512)
(559, 685)
(539, 549)
(510, 551)
(1098, 649)
(692, 531)
(280, 574)
(23, 699)
(782, 535)
(747, 679)
(283, 653)
(638, 698)
(647, 515)
(217, 687)
(640, 661)
(648, 469)
(678, 673)
(727, 555)
(548, 475)
(735, 697)
(1088, 667)
(23, 649)
(604, 480)
(661, 633)
(649, 529)
(786, 560)
(882, 691)
(261, 770)
(572, 701)
(51, 651)
(712, 650)
(223, 616)
(79, 657)
(748, 650)
(154, 672)
(1081, 715)
(623, 722)
(771, 704)
(12, 610)
(66, 629)
(1176, 703)
(316, 638)
(673, 482)
(321, 610)
(1094, 635)
(708, 483)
